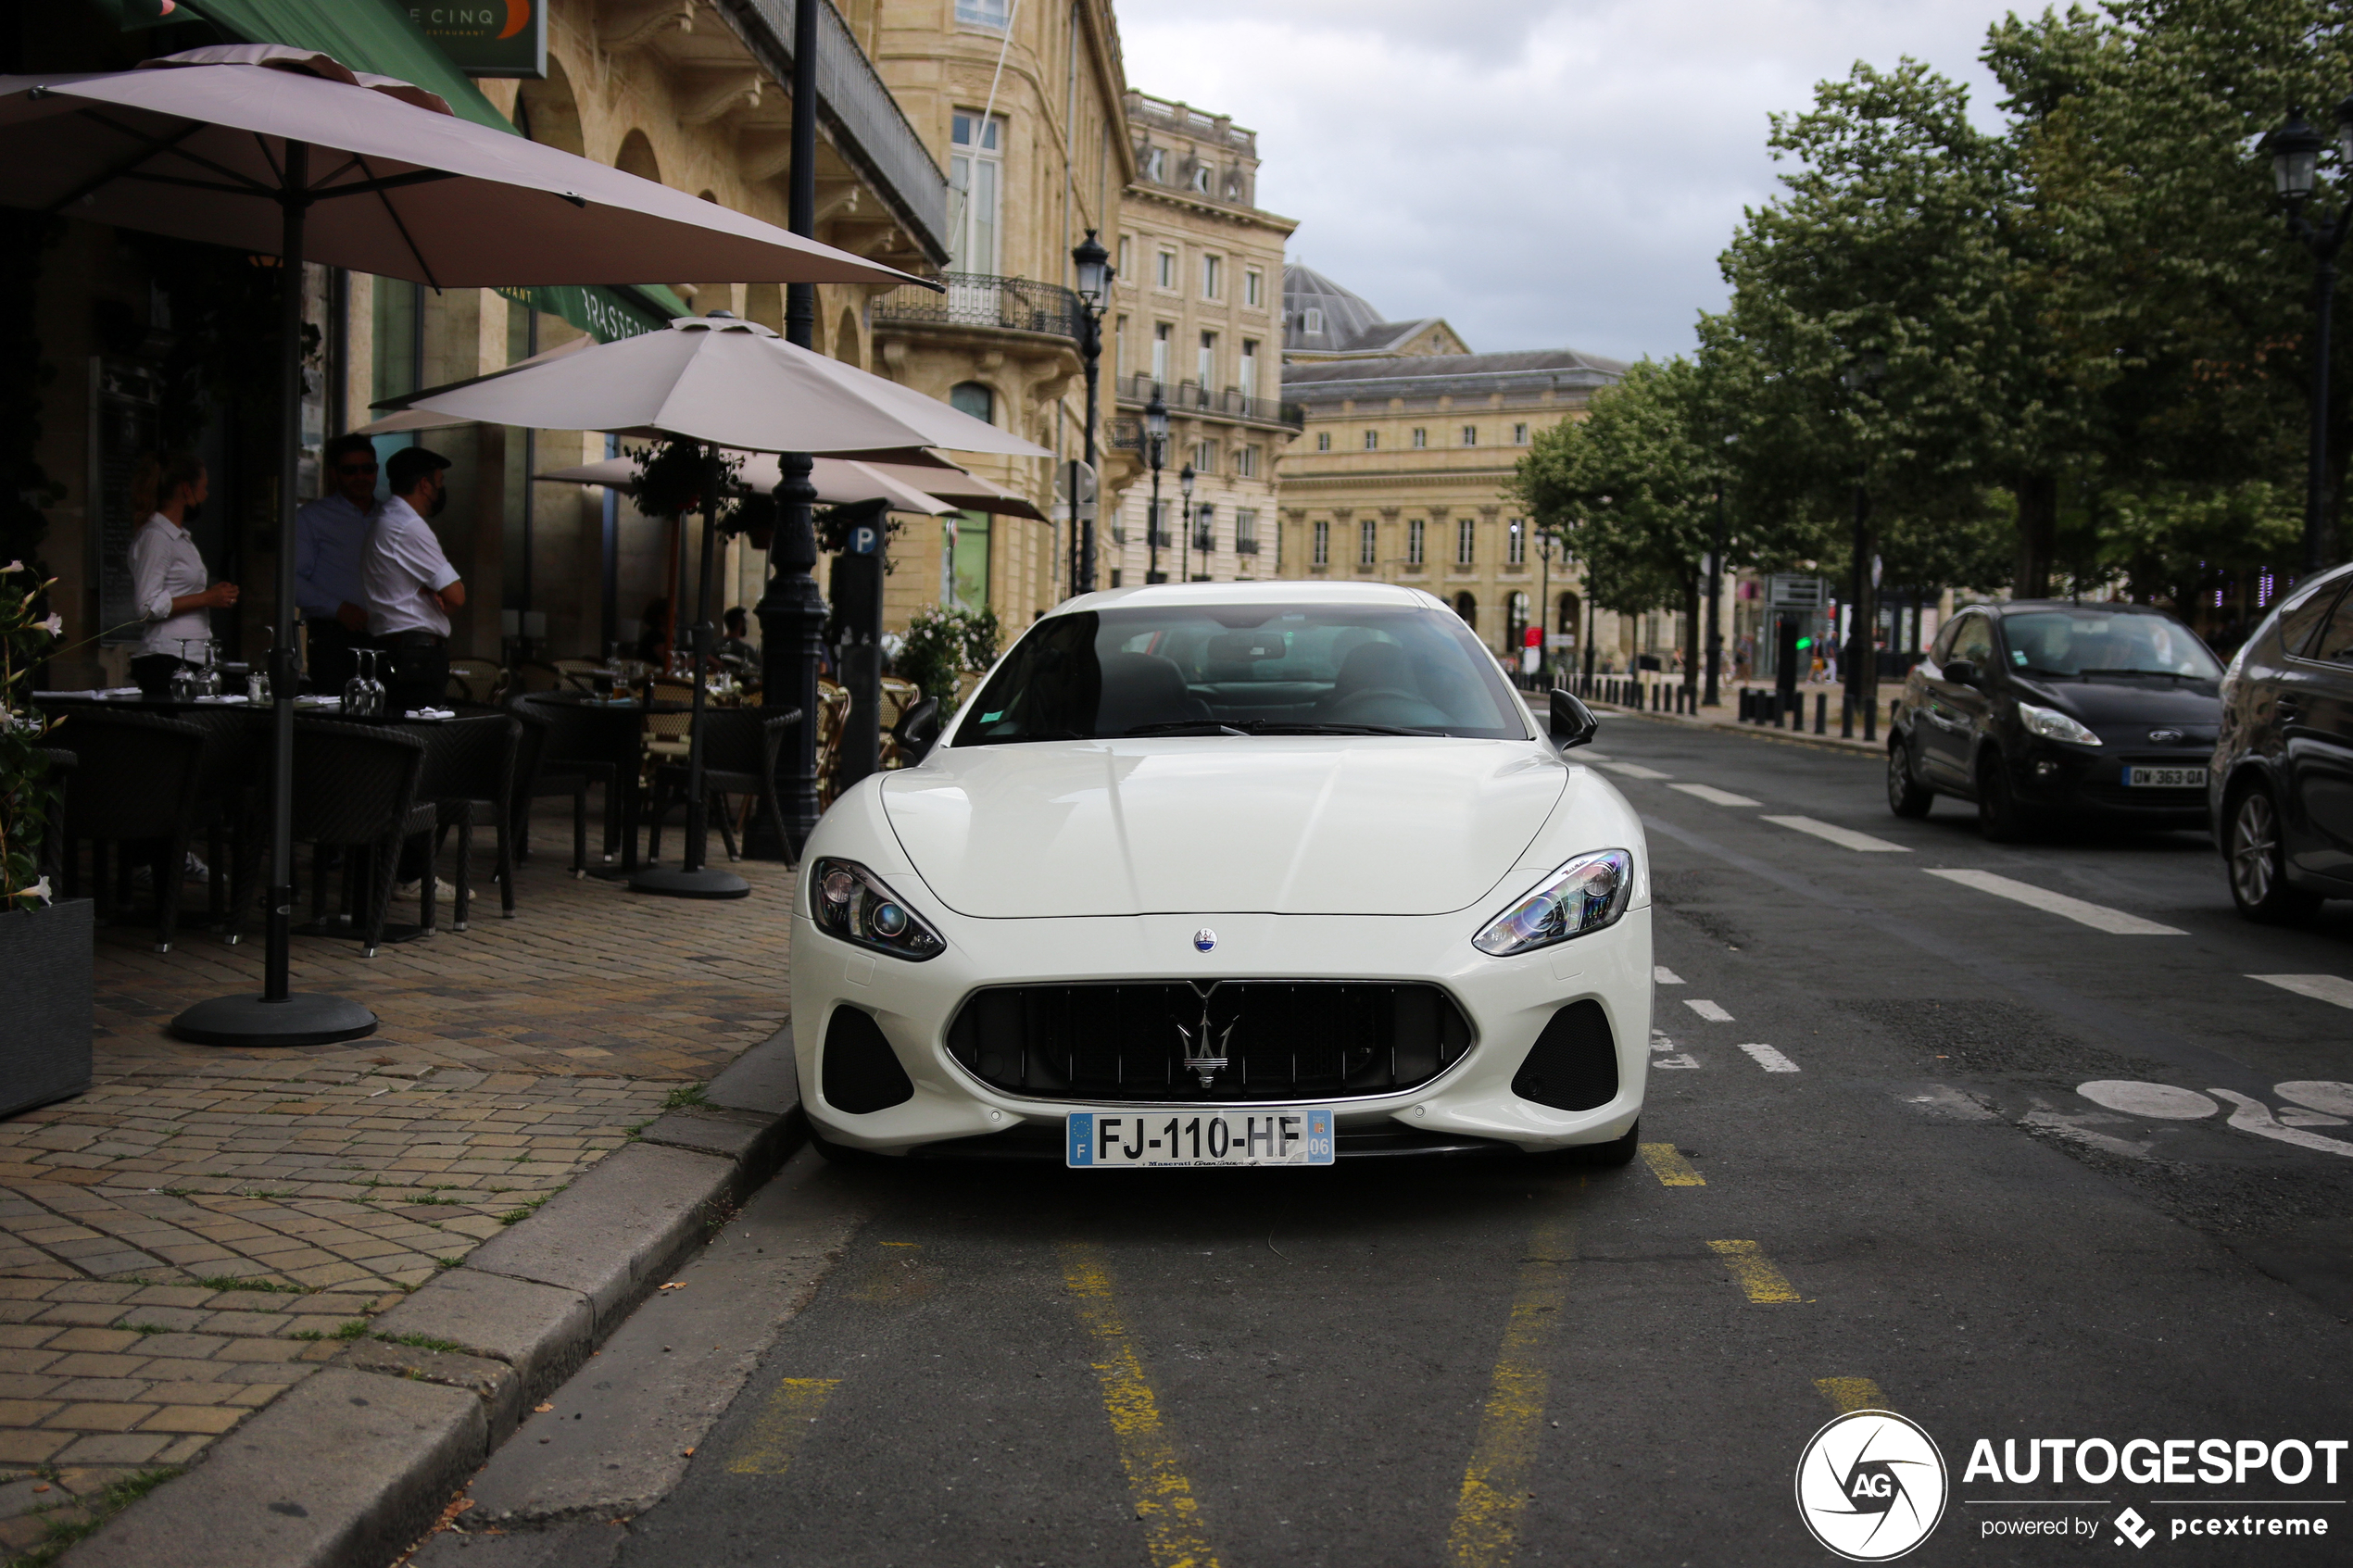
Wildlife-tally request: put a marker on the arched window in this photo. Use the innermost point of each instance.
(1467, 605)
(1565, 614)
(971, 398)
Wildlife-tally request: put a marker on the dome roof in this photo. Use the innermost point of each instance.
(1340, 316)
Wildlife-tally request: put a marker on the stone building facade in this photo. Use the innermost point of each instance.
(1196, 316)
(1403, 471)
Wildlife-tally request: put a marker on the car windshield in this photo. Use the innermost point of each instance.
(2093, 641)
(1211, 670)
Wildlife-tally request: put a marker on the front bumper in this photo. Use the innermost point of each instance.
(2084, 782)
(1507, 1001)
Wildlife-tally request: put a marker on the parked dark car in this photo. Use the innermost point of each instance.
(2282, 789)
(2042, 708)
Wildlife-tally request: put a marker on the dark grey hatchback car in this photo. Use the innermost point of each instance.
(2282, 792)
(2040, 709)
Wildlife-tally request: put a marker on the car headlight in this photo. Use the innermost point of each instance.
(1584, 895)
(2051, 724)
(849, 901)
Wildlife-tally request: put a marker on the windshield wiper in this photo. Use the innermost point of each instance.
(2168, 674)
(1024, 735)
(1270, 727)
(1186, 727)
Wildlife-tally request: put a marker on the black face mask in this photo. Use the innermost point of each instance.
(439, 501)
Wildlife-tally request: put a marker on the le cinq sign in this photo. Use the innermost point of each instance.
(489, 37)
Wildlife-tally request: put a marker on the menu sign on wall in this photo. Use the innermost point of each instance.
(488, 37)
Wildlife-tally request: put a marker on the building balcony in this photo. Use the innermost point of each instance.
(978, 300)
(1190, 397)
(1206, 543)
(1245, 546)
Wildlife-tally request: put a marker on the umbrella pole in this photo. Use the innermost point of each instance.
(279, 1017)
(692, 879)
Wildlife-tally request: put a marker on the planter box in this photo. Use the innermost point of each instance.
(45, 1004)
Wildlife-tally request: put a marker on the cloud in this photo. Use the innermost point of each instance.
(1541, 172)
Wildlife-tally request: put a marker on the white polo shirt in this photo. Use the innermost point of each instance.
(164, 567)
(404, 560)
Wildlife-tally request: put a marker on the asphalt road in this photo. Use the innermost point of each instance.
(1870, 1182)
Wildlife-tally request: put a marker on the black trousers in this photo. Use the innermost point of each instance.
(331, 663)
(152, 672)
(420, 674)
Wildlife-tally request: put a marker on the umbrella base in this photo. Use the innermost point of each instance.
(310, 1020)
(709, 882)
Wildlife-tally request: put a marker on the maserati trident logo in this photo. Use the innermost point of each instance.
(2165, 737)
(1206, 1045)
(1205, 939)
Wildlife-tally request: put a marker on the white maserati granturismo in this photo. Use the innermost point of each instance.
(1231, 874)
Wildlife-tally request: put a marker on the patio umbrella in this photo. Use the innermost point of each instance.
(287, 152)
(728, 384)
(840, 481)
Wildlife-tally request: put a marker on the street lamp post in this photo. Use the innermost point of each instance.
(1185, 541)
(1709, 695)
(1543, 603)
(2296, 160)
(1155, 439)
(1094, 273)
(1863, 373)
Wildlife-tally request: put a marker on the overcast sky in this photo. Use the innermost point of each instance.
(1543, 173)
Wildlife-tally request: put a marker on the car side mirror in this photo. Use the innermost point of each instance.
(1962, 671)
(1573, 722)
(918, 730)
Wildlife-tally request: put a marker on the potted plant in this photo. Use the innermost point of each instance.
(44, 943)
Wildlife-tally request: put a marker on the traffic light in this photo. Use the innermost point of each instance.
(1804, 642)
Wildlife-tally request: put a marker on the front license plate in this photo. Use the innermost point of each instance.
(2165, 778)
(1302, 1136)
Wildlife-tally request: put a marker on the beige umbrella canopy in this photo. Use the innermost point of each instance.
(287, 152)
(935, 488)
(194, 145)
(725, 380)
(839, 481)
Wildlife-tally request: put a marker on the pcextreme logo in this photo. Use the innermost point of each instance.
(1871, 1486)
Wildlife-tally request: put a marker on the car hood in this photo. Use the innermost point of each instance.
(1306, 825)
(2121, 704)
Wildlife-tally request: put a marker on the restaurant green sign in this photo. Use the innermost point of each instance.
(488, 37)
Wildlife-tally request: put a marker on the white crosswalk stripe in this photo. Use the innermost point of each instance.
(1707, 1010)
(1631, 769)
(2320, 987)
(1662, 975)
(1770, 1060)
(2100, 917)
(1845, 838)
(1712, 796)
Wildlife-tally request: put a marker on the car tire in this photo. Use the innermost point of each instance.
(2255, 858)
(1906, 796)
(2000, 816)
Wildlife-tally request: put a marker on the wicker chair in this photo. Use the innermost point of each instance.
(667, 733)
(477, 679)
(739, 747)
(537, 777)
(578, 672)
(833, 717)
(135, 782)
(531, 675)
(601, 744)
(470, 779)
(355, 789)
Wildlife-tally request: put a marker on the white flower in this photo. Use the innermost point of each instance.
(54, 625)
(12, 566)
(41, 890)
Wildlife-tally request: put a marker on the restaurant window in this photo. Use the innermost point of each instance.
(1414, 541)
(1466, 541)
(399, 356)
(970, 553)
(971, 398)
(1323, 547)
(976, 167)
(1367, 544)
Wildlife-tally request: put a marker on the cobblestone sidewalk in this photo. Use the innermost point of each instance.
(205, 1227)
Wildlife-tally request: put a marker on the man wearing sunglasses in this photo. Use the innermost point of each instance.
(331, 543)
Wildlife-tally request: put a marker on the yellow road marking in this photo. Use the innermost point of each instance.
(1164, 1500)
(1754, 1271)
(1495, 1482)
(783, 1422)
(902, 1243)
(1671, 1168)
(1852, 1393)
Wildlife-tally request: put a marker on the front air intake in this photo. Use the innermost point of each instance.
(1573, 1064)
(860, 1073)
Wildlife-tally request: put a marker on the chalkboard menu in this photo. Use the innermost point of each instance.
(124, 403)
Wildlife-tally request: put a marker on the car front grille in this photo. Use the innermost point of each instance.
(1165, 1042)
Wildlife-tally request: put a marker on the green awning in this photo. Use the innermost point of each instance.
(377, 35)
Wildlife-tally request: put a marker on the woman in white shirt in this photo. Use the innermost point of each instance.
(175, 596)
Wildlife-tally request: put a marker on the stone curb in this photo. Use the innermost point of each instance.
(1873, 749)
(350, 1466)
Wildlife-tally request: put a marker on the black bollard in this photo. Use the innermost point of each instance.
(1821, 713)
